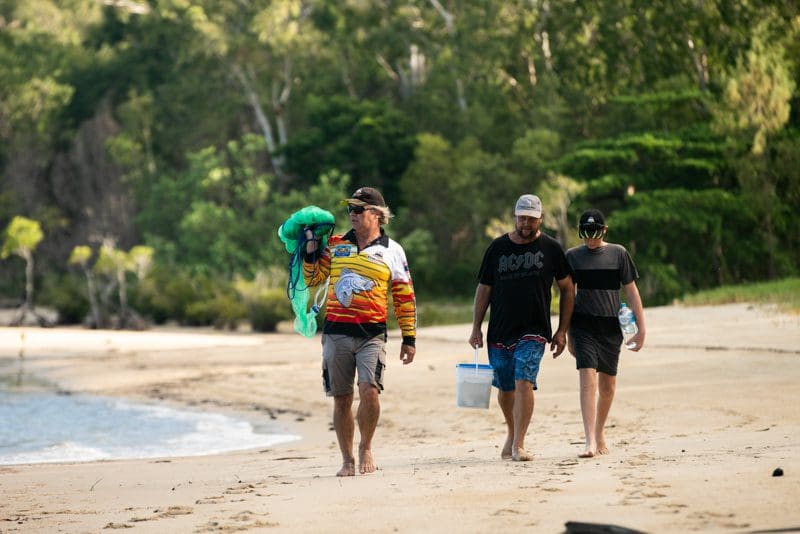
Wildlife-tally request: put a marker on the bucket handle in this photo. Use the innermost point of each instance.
(476, 361)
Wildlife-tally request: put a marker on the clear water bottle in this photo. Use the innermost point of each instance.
(627, 321)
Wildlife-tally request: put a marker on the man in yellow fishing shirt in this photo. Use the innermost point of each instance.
(364, 266)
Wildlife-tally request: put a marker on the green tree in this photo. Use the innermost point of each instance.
(116, 264)
(758, 91)
(712, 227)
(218, 223)
(755, 106)
(197, 126)
(21, 237)
(81, 255)
(372, 142)
(557, 195)
(446, 184)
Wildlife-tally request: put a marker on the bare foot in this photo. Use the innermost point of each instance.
(506, 453)
(521, 455)
(366, 464)
(589, 452)
(348, 469)
(601, 448)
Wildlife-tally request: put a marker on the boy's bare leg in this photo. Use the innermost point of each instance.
(607, 386)
(589, 403)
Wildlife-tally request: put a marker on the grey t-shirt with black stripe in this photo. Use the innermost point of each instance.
(599, 274)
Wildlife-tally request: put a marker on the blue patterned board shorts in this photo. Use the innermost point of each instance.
(519, 361)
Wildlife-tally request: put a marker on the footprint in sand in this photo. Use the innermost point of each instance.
(238, 522)
(714, 520)
(158, 513)
(506, 511)
(211, 500)
(669, 508)
(249, 488)
(638, 488)
(246, 487)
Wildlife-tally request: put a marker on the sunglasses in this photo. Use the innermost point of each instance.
(358, 210)
(590, 231)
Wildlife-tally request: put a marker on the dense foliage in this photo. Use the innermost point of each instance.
(195, 127)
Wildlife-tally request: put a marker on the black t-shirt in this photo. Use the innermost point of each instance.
(521, 277)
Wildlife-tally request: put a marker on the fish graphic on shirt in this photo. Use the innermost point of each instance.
(350, 283)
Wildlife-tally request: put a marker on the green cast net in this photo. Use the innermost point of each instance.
(293, 234)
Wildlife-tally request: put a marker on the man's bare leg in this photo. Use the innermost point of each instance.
(589, 403)
(607, 385)
(345, 429)
(369, 410)
(523, 412)
(506, 401)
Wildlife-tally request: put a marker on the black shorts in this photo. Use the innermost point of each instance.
(596, 351)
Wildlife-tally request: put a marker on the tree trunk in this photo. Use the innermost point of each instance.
(27, 307)
(449, 23)
(261, 120)
(93, 306)
(280, 97)
(28, 278)
(700, 59)
(105, 302)
(123, 298)
(769, 230)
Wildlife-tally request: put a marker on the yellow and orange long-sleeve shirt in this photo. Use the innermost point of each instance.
(360, 283)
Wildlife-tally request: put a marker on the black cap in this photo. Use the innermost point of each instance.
(592, 216)
(366, 195)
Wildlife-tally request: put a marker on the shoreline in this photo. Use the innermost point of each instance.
(702, 417)
(79, 427)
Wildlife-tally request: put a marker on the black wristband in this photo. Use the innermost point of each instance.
(410, 341)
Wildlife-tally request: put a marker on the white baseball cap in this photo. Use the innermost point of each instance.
(528, 205)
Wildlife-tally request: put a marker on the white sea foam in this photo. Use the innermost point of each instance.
(45, 427)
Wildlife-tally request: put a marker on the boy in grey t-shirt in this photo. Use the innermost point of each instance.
(600, 269)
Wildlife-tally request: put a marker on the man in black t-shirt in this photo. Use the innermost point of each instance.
(515, 280)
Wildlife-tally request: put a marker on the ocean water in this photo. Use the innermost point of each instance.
(39, 426)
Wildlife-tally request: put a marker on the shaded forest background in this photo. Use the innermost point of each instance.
(159, 144)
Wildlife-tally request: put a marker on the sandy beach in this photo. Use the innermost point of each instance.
(702, 417)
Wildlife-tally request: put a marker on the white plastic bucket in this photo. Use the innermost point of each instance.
(473, 385)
